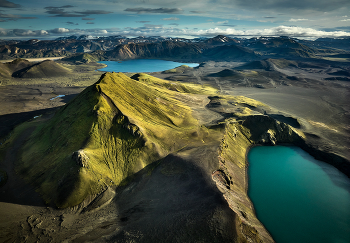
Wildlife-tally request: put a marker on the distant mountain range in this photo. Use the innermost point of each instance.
(216, 48)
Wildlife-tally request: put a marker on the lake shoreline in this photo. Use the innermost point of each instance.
(144, 65)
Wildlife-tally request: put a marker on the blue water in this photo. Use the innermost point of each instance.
(58, 96)
(298, 198)
(142, 65)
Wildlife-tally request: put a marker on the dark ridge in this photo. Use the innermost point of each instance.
(263, 64)
(10, 121)
(286, 119)
(230, 52)
(225, 73)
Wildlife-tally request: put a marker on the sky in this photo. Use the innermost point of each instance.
(304, 19)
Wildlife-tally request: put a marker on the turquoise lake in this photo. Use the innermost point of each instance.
(297, 198)
(142, 65)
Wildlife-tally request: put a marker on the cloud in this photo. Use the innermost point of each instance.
(30, 32)
(102, 31)
(345, 20)
(23, 33)
(90, 12)
(61, 12)
(297, 20)
(7, 4)
(341, 28)
(222, 22)
(143, 22)
(172, 18)
(151, 26)
(197, 12)
(314, 5)
(26, 33)
(275, 31)
(59, 30)
(88, 18)
(174, 24)
(155, 10)
(269, 17)
(90, 23)
(9, 17)
(173, 31)
(228, 25)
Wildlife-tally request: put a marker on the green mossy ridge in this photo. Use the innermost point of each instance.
(120, 124)
(179, 69)
(174, 86)
(235, 144)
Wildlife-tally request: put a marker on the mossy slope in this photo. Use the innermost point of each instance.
(111, 130)
(45, 69)
(7, 69)
(174, 86)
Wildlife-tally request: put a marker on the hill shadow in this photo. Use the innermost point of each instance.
(9, 121)
(172, 200)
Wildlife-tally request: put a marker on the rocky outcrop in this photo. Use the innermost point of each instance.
(80, 158)
(166, 49)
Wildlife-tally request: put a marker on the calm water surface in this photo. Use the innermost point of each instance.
(142, 65)
(298, 198)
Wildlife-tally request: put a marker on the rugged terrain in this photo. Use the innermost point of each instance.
(160, 156)
(219, 48)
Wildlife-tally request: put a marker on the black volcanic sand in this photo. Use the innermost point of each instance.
(150, 203)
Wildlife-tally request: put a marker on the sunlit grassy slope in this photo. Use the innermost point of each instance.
(112, 129)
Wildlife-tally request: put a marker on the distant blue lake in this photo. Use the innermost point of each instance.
(142, 65)
(298, 198)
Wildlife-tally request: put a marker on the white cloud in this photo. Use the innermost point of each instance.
(159, 30)
(345, 20)
(222, 22)
(276, 31)
(59, 30)
(172, 18)
(3, 32)
(22, 32)
(297, 20)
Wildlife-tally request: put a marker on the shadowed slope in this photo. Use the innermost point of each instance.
(43, 69)
(4, 71)
(7, 69)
